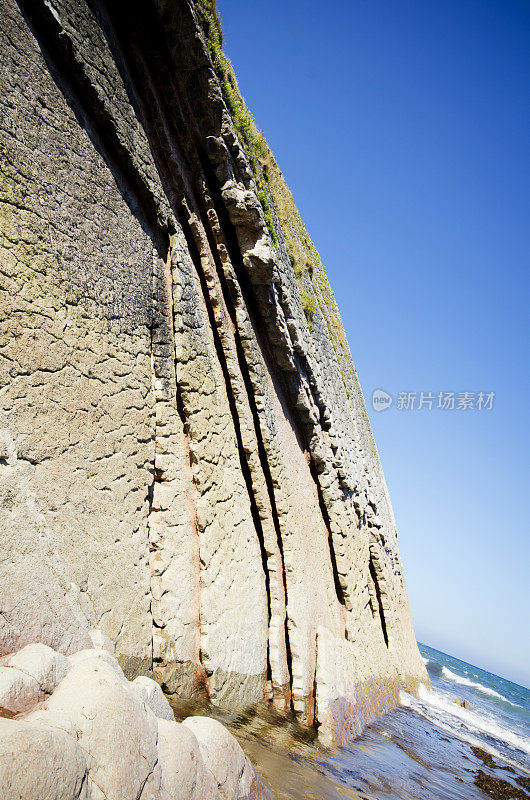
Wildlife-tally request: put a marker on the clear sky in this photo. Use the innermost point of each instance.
(403, 131)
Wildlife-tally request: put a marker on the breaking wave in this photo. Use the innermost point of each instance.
(451, 676)
(463, 723)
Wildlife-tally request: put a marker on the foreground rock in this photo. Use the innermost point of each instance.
(223, 757)
(87, 733)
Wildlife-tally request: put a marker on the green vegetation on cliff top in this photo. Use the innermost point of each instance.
(309, 270)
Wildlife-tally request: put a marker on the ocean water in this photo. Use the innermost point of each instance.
(421, 750)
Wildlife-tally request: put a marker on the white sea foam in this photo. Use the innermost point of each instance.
(466, 724)
(425, 660)
(484, 689)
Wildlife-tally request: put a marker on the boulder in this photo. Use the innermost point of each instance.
(101, 655)
(117, 732)
(184, 773)
(40, 763)
(96, 736)
(222, 755)
(42, 663)
(19, 692)
(152, 695)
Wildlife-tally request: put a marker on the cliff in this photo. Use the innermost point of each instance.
(186, 460)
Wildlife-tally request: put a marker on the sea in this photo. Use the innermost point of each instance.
(428, 748)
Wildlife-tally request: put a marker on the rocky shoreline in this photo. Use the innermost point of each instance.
(493, 785)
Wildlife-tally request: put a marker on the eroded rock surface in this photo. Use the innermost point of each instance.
(185, 456)
(99, 737)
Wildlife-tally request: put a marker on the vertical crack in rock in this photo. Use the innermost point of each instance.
(221, 356)
(325, 516)
(234, 388)
(306, 412)
(236, 286)
(331, 493)
(151, 487)
(270, 535)
(378, 599)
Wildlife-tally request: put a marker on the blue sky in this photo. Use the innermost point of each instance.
(403, 131)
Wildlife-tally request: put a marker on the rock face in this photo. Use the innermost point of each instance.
(96, 736)
(185, 456)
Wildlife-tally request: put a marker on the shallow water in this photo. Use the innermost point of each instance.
(420, 751)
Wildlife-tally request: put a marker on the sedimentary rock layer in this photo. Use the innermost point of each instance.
(186, 460)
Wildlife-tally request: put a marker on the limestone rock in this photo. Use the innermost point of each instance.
(40, 763)
(152, 695)
(235, 775)
(42, 663)
(115, 730)
(100, 737)
(184, 773)
(18, 691)
(186, 461)
(96, 653)
(350, 691)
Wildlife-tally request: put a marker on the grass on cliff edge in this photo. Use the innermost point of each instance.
(309, 270)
